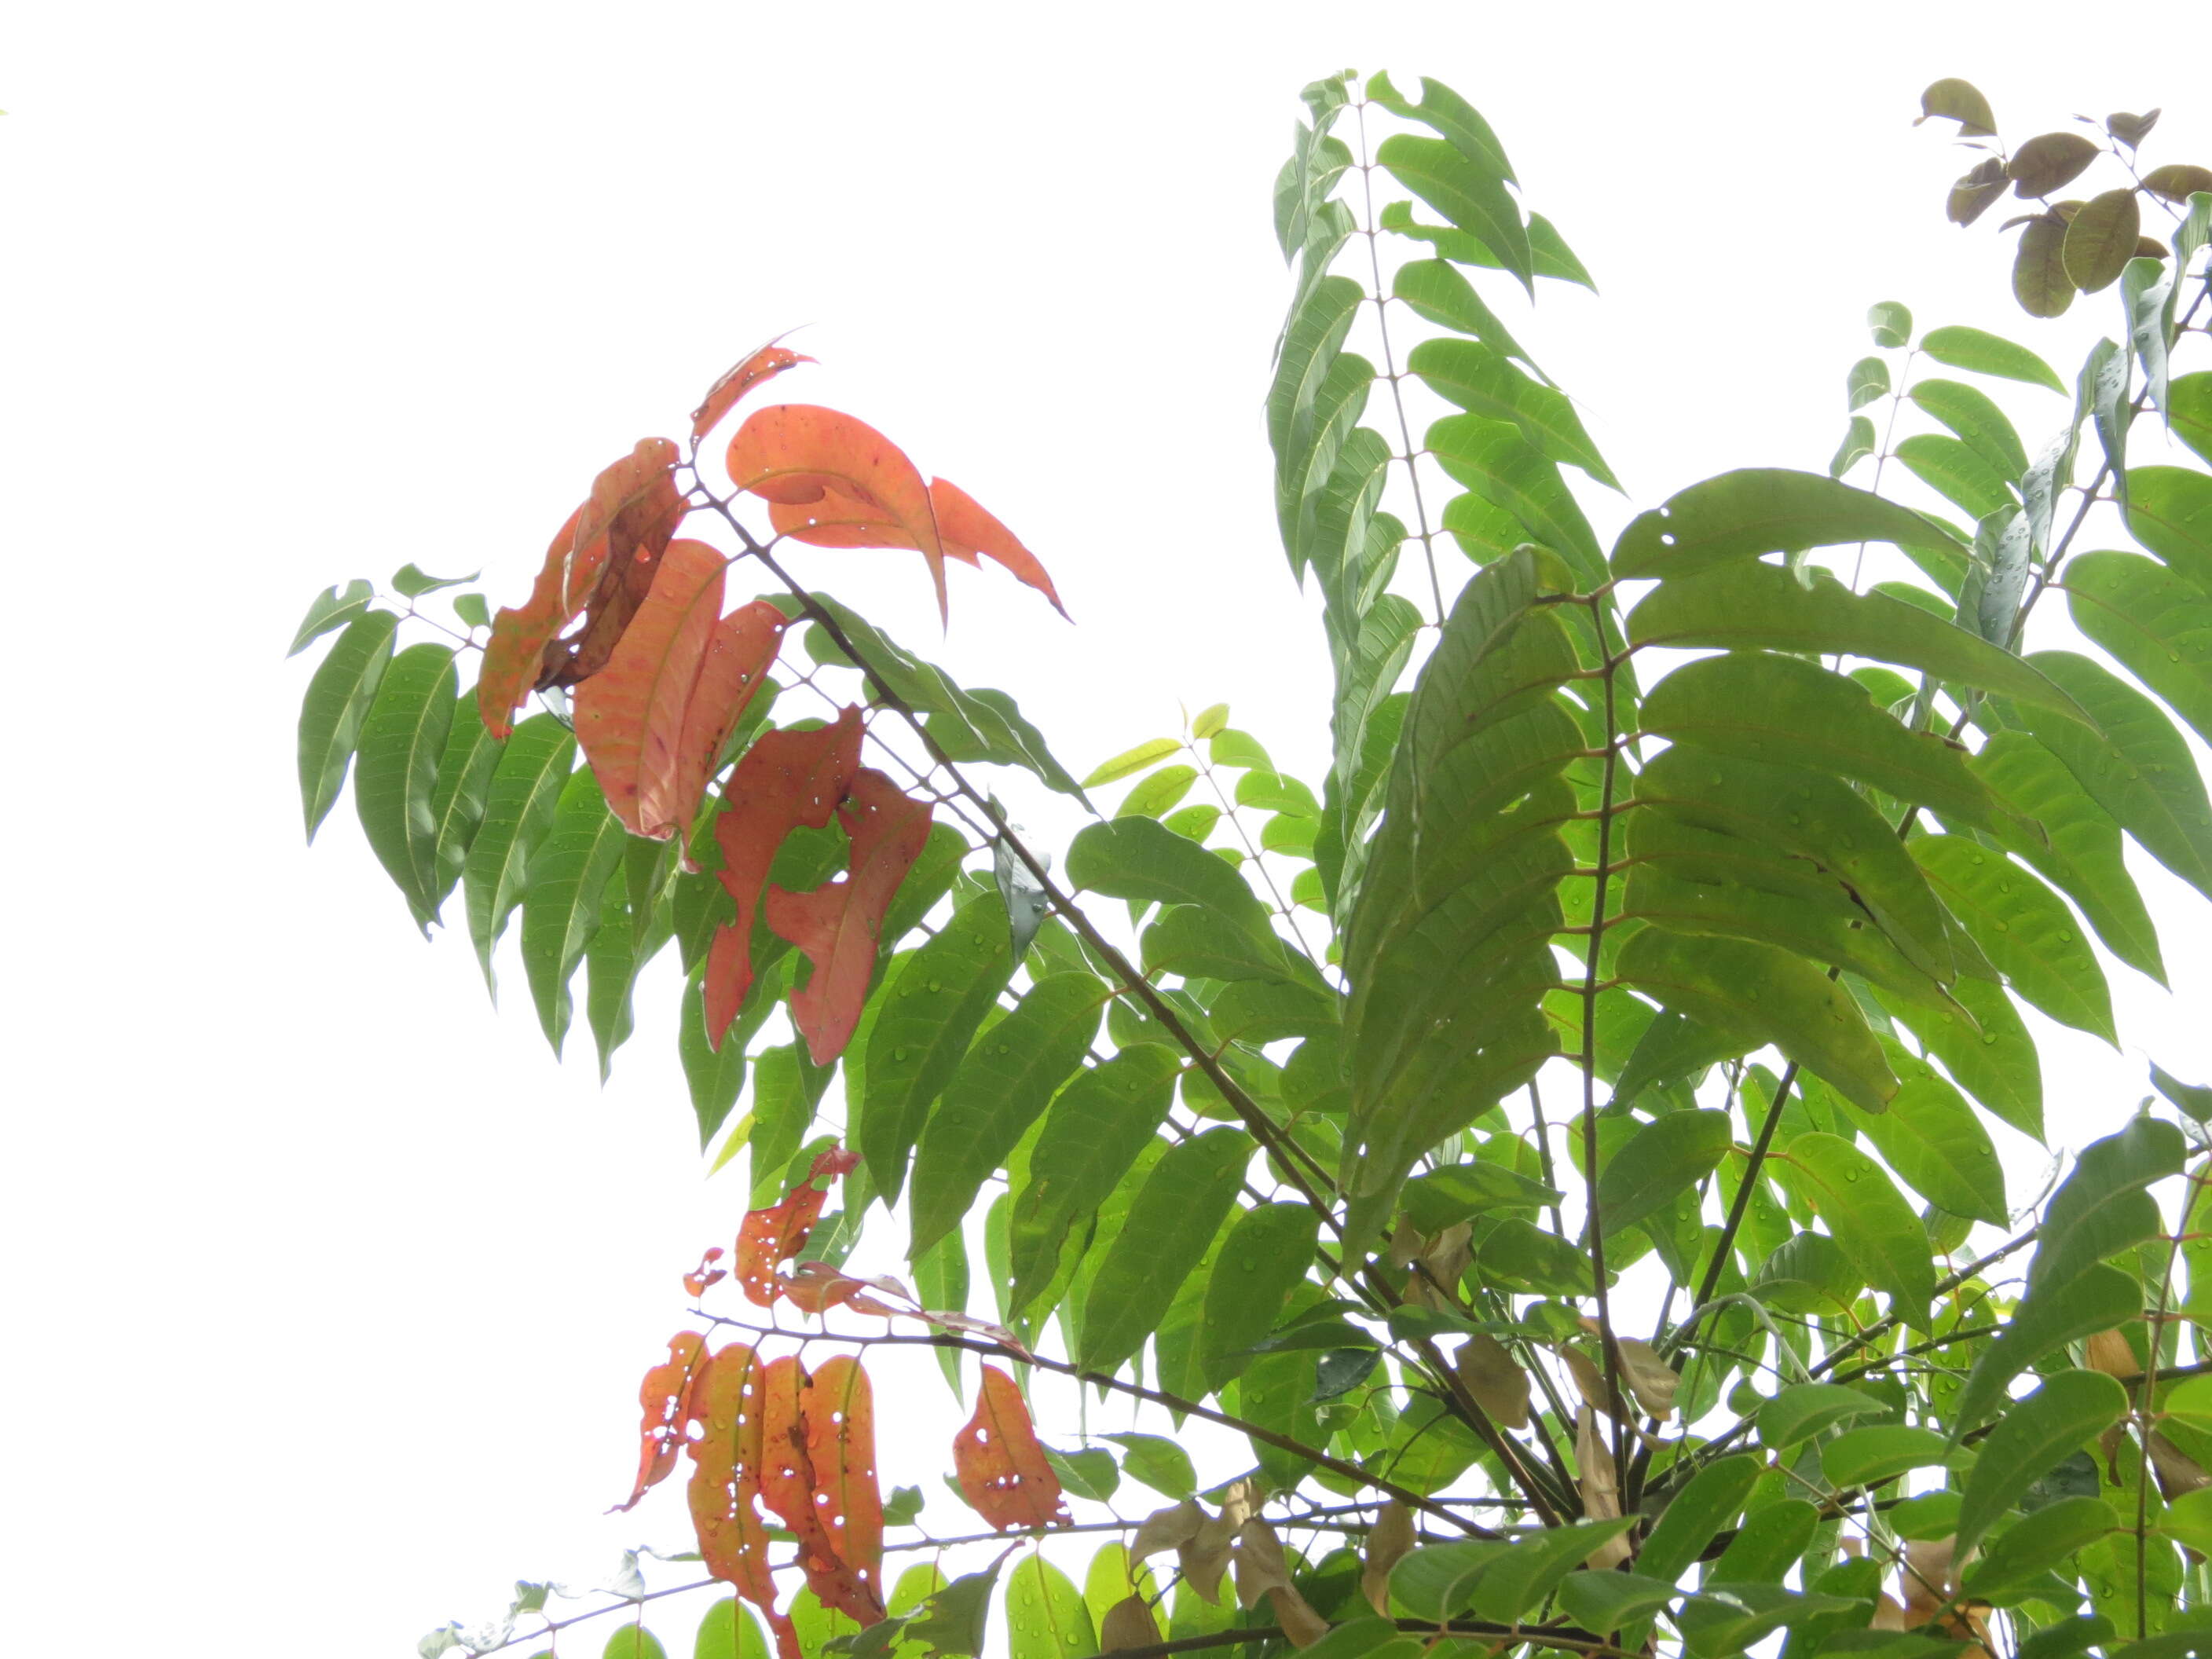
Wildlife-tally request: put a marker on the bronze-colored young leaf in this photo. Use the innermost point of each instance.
(756, 369)
(2049, 160)
(2101, 239)
(965, 529)
(2039, 281)
(1959, 101)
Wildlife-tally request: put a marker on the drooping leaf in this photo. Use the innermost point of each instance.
(768, 1238)
(1485, 383)
(2039, 281)
(2023, 927)
(1440, 294)
(1957, 100)
(2068, 1410)
(2036, 1543)
(527, 787)
(839, 925)
(2103, 1207)
(1002, 1469)
(1175, 1216)
(725, 1488)
(1985, 1049)
(1492, 458)
(1263, 1260)
(2101, 238)
(1975, 191)
(1002, 1085)
(1662, 1159)
(1980, 353)
(756, 369)
(1469, 190)
(560, 904)
(331, 610)
(403, 742)
(1712, 1500)
(1740, 516)
(1977, 421)
(338, 699)
(786, 780)
(665, 1398)
(1931, 1137)
(965, 530)
(1954, 470)
(808, 1464)
(1868, 1217)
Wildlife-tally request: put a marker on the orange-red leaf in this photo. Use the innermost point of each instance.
(725, 1490)
(723, 396)
(795, 453)
(667, 1398)
(789, 1486)
(787, 779)
(965, 530)
(706, 1274)
(841, 1446)
(767, 1239)
(815, 1287)
(1002, 1469)
(740, 653)
(840, 924)
(601, 562)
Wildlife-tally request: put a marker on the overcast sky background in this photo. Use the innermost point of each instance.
(328, 1289)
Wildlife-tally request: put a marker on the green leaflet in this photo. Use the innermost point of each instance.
(1527, 1571)
(561, 905)
(2189, 410)
(1694, 1516)
(729, 1630)
(1976, 420)
(1046, 1618)
(633, 1642)
(1740, 516)
(940, 1280)
(1783, 709)
(1548, 251)
(978, 725)
(1764, 995)
(634, 926)
(2023, 927)
(403, 739)
(1658, 1162)
(1158, 1462)
(1157, 795)
(929, 1012)
(1469, 192)
(1868, 382)
(1448, 114)
(2170, 513)
(2147, 291)
(2048, 1318)
(1978, 352)
(2070, 839)
(1340, 533)
(1138, 860)
(1439, 295)
(1494, 460)
(1437, 1581)
(1859, 442)
(1091, 1134)
(1931, 1137)
(1868, 1217)
(1311, 340)
(2067, 1412)
(1806, 817)
(1521, 1257)
(2103, 1207)
(1957, 471)
(1745, 605)
(1261, 1262)
(1200, 943)
(1130, 762)
(1096, 1245)
(1880, 1452)
(1484, 383)
(1612, 1601)
(1807, 1409)
(1318, 430)
(526, 788)
(333, 610)
(1768, 1543)
(1986, 1049)
(1443, 1198)
(1177, 1212)
(2132, 762)
(2157, 624)
(459, 797)
(1002, 1087)
(338, 698)
(2036, 1543)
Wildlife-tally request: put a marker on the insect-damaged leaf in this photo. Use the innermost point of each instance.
(817, 1474)
(964, 529)
(653, 720)
(601, 561)
(787, 779)
(725, 1489)
(1960, 101)
(797, 454)
(840, 924)
(768, 1238)
(1002, 1468)
(726, 393)
(665, 1397)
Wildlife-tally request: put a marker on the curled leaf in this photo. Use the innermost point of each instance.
(1600, 1482)
(697, 1281)
(1957, 100)
(1650, 1378)
(2131, 130)
(1127, 1623)
(1971, 196)
(1166, 1529)
(840, 924)
(965, 529)
(665, 1397)
(1500, 1386)
(1388, 1542)
(787, 779)
(1001, 1468)
(741, 378)
(1263, 1570)
(767, 1238)
(797, 454)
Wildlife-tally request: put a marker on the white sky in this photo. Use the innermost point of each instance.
(328, 1291)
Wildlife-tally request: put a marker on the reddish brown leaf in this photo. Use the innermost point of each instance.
(725, 1490)
(706, 1274)
(665, 1397)
(787, 779)
(723, 396)
(740, 653)
(788, 1487)
(839, 925)
(841, 1446)
(815, 1287)
(1002, 1470)
(599, 562)
(795, 453)
(963, 528)
(767, 1239)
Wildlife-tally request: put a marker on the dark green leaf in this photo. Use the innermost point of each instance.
(1957, 100)
(1868, 1217)
(1088, 1473)
(1176, 1214)
(2103, 1207)
(458, 796)
(1521, 1256)
(2024, 929)
(1202, 942)
(1661, 1161)
(1880, 1452)
(1525, 1573)
(526, 789)
(2048, 1318)
(2191, 1098)
(1931, 1137)
(1740, 516)
(1159, 1463)
(561, 905)
(331, 610)
(1611, 1601)
(1768, 1544)
(2037, 1543)
(1807, 1409)
(1978, 353)
(2101, 238)
(337, 701)
(1265, 1258)
(2068, 1412)
(1978, 421)
(1003, 1084)
(1446, 1197)
(929, 1012)
(1696, 1514)
(1137, 858)
(1957, 471)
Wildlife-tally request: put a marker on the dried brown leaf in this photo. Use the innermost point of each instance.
(1129, 1624)
(1500, 1386)
(1388, 1542)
